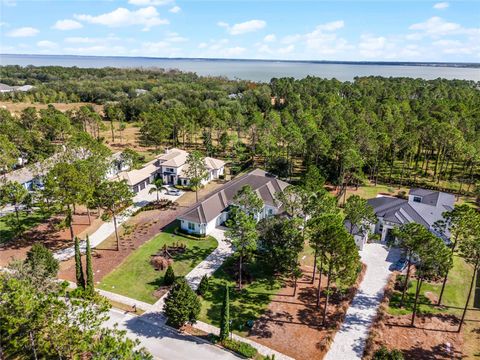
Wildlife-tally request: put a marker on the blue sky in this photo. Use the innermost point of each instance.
(298, 30)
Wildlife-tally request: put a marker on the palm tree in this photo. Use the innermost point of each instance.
(157, 187)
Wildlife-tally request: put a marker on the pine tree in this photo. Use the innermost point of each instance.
(78, 265)
(89, 286)
(169, 277)
(203, 286)
(181, 305)
(225, 316)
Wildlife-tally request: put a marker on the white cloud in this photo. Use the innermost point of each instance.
(436, 26)
(47, 44)
(441, 5)
(270, 38)
(150, 2)
(175, 9)
(219, 49)
(244, 27)
(147, 17)
(175, 37)
(23, 32)
(67, 24)
(372, 46)
(9, 2)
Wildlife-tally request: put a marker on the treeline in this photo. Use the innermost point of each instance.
(398, 130)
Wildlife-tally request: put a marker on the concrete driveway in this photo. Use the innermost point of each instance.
(349, 342)
(164, 342)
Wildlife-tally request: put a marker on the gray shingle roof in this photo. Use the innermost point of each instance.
(265, 185)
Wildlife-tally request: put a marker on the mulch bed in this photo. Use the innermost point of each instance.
(146, 225)
(292, 324)
(49, 234)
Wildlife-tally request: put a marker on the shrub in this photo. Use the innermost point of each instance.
(41, 259)
(203, 286)
(240, 347)
(169, 277)
(384, 354)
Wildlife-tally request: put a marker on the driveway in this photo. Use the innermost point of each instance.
(349, 342)
(164, 342)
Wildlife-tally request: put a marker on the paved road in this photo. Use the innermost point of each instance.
(349, 341)
(164, 342)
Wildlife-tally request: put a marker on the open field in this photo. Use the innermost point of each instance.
(136, 277)
(18, 107)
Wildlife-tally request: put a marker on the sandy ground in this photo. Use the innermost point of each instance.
(292, 324)
(49, 234)
(18, 107)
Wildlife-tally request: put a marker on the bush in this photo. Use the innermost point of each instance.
(169, 277)
(203, 286)
(39, 258)
(240, 347)
(384, 354)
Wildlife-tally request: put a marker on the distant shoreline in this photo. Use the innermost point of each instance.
(331, 62)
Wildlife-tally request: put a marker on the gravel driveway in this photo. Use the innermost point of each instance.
(349, 342)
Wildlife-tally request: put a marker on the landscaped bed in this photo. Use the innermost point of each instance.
(435, 332)
(135, 277)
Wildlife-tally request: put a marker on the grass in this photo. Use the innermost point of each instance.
(136, 277)
(454, 296)
(8, 223)
(245, 305)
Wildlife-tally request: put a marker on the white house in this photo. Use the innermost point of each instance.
(204, 216)
(172, 167)
(423, 206)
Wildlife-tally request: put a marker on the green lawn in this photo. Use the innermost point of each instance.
(27, 221)
(454, 296)
(136, 277)
(246, 305)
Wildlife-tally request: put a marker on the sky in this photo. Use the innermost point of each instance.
(406, 30)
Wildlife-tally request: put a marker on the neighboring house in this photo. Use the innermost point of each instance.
(138, 179)
(205, 215)
(117, 165)
(172, 167)
(4, 88)
(424, 207)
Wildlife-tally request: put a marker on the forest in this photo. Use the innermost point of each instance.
(401, 131)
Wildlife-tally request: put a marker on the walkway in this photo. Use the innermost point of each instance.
(349, 342)
(207, 267)
(105, 230)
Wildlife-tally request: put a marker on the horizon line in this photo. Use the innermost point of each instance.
(358, 62)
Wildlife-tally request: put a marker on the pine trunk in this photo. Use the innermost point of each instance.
(468, 297)
(419, 287)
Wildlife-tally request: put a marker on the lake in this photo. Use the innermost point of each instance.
(250, 69)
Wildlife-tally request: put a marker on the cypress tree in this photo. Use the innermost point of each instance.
(225, 316)
(90, 287)
(169, 277)
(203, 286)
(78, 266)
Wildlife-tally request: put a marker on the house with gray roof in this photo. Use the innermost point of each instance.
(205, 215)
(423, 206)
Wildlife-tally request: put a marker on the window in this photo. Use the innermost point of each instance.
(191, 226)
(169, 169)
(417, 199)
(270, 212)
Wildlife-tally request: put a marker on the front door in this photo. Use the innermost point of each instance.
(172, 179)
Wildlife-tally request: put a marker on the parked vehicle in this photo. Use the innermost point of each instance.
(400, 265)
(174, 192)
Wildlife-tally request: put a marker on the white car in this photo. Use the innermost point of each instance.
(173, 191)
